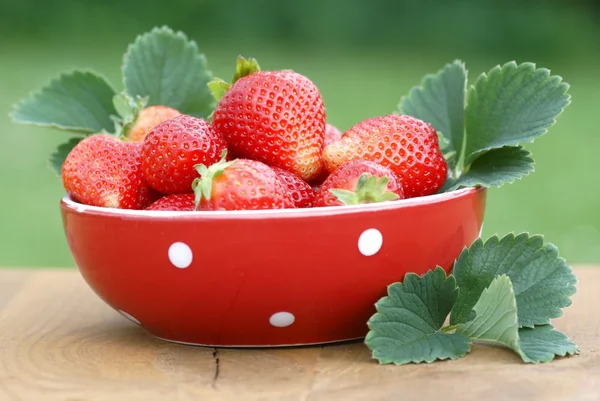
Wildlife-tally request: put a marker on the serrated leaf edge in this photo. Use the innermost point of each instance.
(165, 30)
(485, 76)
(426, 82)
(32, 95)
(49, 160)
(494, 240)
(510, 180)
(514, 345)
(563, 354)
(377, 314)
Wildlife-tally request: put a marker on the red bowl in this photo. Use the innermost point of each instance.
(264, 278)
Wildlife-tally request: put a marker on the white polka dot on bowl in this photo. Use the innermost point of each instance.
(282, 319)
(180, 255)
(370, 242)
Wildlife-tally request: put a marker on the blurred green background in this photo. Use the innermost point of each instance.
(364, 55)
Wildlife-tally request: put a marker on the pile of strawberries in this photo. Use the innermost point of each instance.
(267, 145)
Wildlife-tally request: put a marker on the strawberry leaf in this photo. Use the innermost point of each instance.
(510, 105)
(169, 69)
(494, 168)
(496, 321)
(543, 283)
(78, 101)
(440, 101)
(60, 154)
(495, 317)
(407, 327)
(543, 343)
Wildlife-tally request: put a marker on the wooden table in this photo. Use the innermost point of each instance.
(58, 341)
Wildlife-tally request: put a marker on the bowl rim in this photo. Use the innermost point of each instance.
(68, 204)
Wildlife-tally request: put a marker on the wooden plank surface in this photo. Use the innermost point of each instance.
(11, 282)
(58, 341)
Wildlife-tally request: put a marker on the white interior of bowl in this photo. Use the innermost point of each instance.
(274, 213)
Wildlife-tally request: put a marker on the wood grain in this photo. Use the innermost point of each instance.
(58, 341)
(11, 282)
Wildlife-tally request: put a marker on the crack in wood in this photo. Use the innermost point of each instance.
(215, 356)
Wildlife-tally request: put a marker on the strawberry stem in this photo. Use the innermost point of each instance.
(243, 67)
(128, 110)
(369, 189)
(218, 88)
(202, 186)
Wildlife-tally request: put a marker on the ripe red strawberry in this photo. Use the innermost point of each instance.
(302, 193)
(172, 149)
(102, 170)
(276, 117)
(240, 184)
(332, 134)
(147, 119)
(175, 202)
(407, 145)
(359, 182)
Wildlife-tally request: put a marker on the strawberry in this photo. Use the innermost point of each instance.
(359, 182)
(175, 202)
(407, 145)
(276, 117)
(173, 147)
(147, 119)
(302, 193)
(240, 184)
(101, 170)
(332, 134)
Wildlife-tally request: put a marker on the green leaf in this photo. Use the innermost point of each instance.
(494, 168)
(169, 69)
(544, 343)
(128, 109)
(496, 321)
(218, 88)
(369, 189)
(202, 186)
(443, 143)
(543, 283)
(245, 67)
(440, 101)
(510, 105)
(408, 322)
(495, 316)
(79, 101)
(60, 154)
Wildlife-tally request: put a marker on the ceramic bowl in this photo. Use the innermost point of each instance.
(264, 278)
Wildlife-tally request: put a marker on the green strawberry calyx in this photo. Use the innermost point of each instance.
(128, 109)
(369, 189)
(202, 186)
(243, 67)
